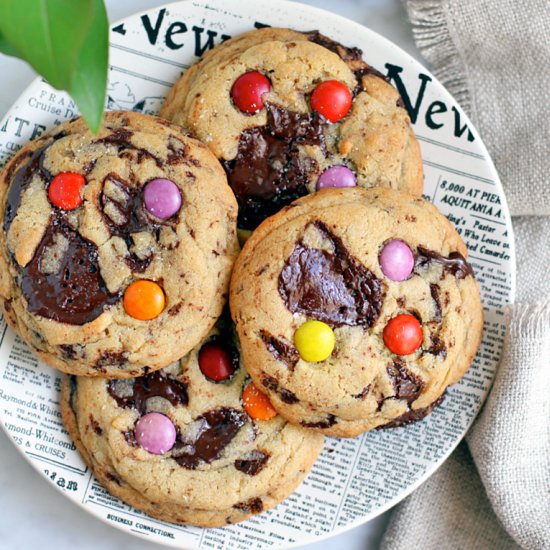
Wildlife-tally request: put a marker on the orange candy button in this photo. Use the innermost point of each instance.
(144, 300)
(257, 404)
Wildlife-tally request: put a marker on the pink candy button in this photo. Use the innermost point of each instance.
(396, 260)
(156, 433)
(162, 198)
(336, 176)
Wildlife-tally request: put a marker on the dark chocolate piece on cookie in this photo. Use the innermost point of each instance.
(155, 384)
(63, 281)
(455, 263)
(333, 287)
(268, 171)
(252, 463)
(215, 430)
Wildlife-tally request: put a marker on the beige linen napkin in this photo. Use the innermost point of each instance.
(494, 492)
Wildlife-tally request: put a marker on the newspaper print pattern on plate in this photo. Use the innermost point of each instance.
(353, 480)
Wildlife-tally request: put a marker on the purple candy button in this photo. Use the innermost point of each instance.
(162, 198)
(155, 433)
(336, 176)
(396, 260)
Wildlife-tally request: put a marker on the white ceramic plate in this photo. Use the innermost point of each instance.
(354, 480)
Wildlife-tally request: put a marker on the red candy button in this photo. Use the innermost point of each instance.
(64, 190)
(403, 334)
(332, 99)
(247, 91)
(215, 363)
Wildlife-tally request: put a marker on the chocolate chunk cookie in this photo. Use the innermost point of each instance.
(186, 444)
(115, 248)
(290, 112)
(356, 309)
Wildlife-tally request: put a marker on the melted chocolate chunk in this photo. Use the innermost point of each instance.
(19, 184)
(17, 164)
(406, 384)
(304, 128)
(254, 505)
(280, 348)
(72, 391)
(437, 347)
(329, 421)
(286, 395)
(23, 176)
(434, 291)
(22, 179)
(177, 151)
(216, 430)
(253, 464)
(76, 293)
(267, 172)
(270, 383)
(412, 415)
(344, 52)
(113, 477)
(130, 217)
(95, 425)
(455, 263)
(333, 287)
(156, 384)
(130, 438)
(363, 393)
(68, 351)
(120, 138)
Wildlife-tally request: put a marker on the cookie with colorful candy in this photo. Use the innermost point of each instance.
(116, 248)
(356, 309)
(194, 443)
(289, 113)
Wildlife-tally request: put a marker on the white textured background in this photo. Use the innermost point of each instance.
(32, 513)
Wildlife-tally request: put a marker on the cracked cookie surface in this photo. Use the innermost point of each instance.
(319, 259)
(224, 465)
(64, 272)
(278, 154)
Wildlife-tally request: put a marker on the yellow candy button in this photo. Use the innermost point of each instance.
(314, 341)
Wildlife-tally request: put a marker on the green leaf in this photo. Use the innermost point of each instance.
(7, 48)
(48, 34)
(89, 82)
(66, 41)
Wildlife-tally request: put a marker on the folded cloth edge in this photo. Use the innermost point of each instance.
(510, 440)
(527, 320)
